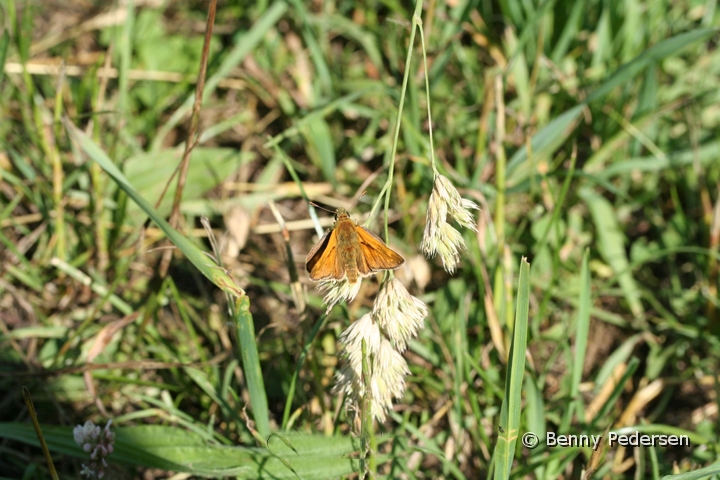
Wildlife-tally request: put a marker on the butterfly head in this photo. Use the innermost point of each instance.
(341, 213)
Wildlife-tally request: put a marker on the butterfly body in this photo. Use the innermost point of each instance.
(349, 251)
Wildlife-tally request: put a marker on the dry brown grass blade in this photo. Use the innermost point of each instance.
(298, 292)
(127, 365)
(192, 134)
(592, 410)
(641, 398)
(103, 256)
(714, 266)
(596, 456)
(107, 72)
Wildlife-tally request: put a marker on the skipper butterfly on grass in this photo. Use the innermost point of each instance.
(349, 251)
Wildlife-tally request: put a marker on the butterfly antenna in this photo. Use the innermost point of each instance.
(321, 208)
(358, 199)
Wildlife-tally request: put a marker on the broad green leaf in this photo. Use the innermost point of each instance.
(251, 364)
(611, 245)
(171, 448)
(149, 173)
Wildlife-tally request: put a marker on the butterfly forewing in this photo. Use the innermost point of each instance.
(375, 254)
(321, 262)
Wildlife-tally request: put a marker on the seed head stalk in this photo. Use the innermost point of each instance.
(416, 23)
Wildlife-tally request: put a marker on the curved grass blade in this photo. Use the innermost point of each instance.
(217, 275)
(298, 367)
(198, 258)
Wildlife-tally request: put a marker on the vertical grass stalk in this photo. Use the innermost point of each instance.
(510, 413)
(368, 463)
(43, 445)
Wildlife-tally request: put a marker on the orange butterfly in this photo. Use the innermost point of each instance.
(349, 250)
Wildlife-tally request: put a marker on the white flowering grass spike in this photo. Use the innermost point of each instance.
(351, 339)
(387, 379)
(336, 292)
(399, 314)
(435, 218)
(349, 378)
(387, 368)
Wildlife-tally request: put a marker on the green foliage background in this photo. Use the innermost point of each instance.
(585, 130)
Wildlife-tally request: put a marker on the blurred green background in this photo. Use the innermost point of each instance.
(580, 128)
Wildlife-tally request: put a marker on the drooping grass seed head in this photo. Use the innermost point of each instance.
(388, 379)
(459, 208)
(439, 236)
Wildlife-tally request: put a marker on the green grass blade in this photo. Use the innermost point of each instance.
(703, 473)
(316, 53)
(4, 43)
(572, 25)
(554, 133)
(125, 51)
(582, 328)
(321, 147)
(429, 445)
(251, 364)
(659, 52)
(549, 138)
(82, 278)
(300, 362)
